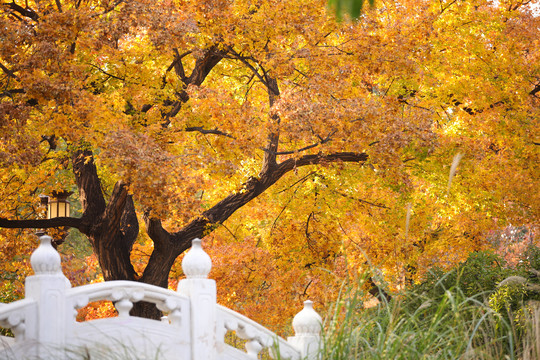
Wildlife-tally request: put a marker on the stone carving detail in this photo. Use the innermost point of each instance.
(124, 298)
(45, 259)
(307, 321)
(256, 341)
(14, 321)
(196, 264)
(174, 308)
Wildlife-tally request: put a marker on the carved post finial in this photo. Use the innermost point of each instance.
(45, 259)
(307, 321)
(196, 264)
(307, 326)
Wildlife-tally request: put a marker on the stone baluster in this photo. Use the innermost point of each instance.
(307, 326)
(174, 309)
(123, 300)
(47, 327)
(254, 343)
(202, 293)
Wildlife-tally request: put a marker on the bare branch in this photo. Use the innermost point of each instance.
(535, 90)
(8, 72)
(302, 180)
(245, 61)
(29, 13)
(323, 141)
(361, 200)
(106, 73)
(214, 131)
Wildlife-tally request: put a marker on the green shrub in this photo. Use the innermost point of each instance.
(478, 275)
(475, 311)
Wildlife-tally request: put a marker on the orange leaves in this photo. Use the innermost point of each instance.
(256, 282)
(141, 162)
(96, 310)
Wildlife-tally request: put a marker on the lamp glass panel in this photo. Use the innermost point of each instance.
(53, 209)
(63, 209)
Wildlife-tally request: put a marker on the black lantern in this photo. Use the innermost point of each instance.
(58, 206)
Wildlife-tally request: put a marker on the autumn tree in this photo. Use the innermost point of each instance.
(174, 119)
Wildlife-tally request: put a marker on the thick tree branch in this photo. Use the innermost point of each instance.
(377, 291)
(250, 190)
(112, 228)
(163, 255)
(315, 159)
(41, 223)
(205, 64)
(12, 91)
(129, 224)
(155, 231)
(86, 177)
(202, 68)
(115, 208)
(177, 66)
(270, 154)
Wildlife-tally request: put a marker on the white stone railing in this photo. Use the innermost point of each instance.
(194, 328)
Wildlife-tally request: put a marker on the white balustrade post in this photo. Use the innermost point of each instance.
(47, 327)
(307, 326)
(202, 294)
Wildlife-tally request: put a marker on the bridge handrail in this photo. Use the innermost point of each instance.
(44, 323)
(13, 315)
(258, 337)
(124, 293)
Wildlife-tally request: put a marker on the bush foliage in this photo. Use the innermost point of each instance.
(482, 309)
